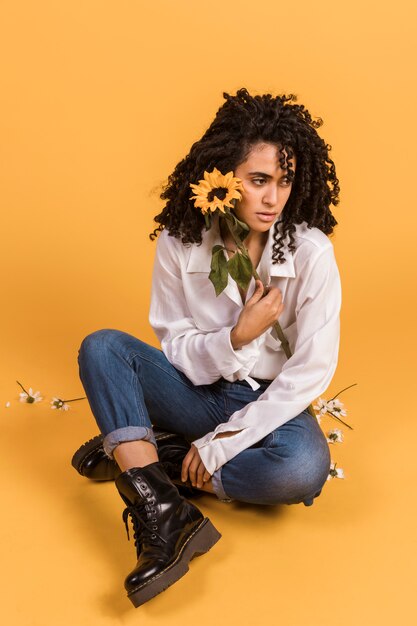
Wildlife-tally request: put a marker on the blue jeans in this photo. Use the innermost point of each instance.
(131, 387)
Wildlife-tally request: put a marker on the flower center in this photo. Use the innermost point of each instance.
(218, 192)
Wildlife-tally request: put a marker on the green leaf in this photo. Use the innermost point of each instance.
(242, 225)
(239, 228)
(219, 273)
(240, 269)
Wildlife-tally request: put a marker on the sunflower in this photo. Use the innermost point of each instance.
(216, 191)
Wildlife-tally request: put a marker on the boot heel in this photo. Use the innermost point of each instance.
(88, 448)
(203, 540)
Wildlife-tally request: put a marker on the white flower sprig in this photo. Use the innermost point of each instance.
(334, 436)
(335, 408)
(63, 405)
(57, 403)
(332, 407)
(29, 396)
(322, 407)
(335, 472)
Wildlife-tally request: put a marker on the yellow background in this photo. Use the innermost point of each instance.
(99, 102)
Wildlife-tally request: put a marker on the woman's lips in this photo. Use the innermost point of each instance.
(267, 217)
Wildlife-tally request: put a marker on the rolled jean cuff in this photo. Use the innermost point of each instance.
(128, 433)
(218, 487)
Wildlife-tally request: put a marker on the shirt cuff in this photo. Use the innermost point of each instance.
(243, 360)
(211, 454)
(212, 451)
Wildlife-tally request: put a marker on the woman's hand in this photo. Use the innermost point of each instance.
(260, 312)
(193, 466)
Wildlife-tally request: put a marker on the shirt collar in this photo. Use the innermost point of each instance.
(200, 255)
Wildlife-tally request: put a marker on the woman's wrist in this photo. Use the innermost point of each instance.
(235, 340)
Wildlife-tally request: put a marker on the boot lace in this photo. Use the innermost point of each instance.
(140, 526)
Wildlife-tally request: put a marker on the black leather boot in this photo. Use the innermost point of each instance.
(91, 461)
(169, 531)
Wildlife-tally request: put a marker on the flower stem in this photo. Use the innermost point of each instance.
(22, 387)
(340, 420)
(284, 342)
(338, 394)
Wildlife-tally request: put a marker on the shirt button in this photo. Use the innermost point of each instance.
(291, 386)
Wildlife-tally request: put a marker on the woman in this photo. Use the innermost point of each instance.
(220, 407)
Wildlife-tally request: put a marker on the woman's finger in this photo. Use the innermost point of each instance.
(192, 470)
(185, 464)
(200, 473)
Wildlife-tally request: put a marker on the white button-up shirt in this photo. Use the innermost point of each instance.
(193, 327)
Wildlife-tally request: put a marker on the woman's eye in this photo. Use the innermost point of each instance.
(260, 181)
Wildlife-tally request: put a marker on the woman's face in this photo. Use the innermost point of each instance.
(266, 187)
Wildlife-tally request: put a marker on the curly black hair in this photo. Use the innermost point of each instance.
(242, 121)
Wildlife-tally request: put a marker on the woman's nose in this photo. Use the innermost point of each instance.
(271, 195)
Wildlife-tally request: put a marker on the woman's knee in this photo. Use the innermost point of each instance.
(95, 345)
(300, 483)
(298, 473)
(310, 473)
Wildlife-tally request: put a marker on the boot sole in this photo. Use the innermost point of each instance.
(198, 543)
(85, 451)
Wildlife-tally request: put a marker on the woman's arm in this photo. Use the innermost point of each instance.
(202, 356)
(306, 374)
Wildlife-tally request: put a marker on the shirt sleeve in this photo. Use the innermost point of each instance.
(203, 356)
(304, 376)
